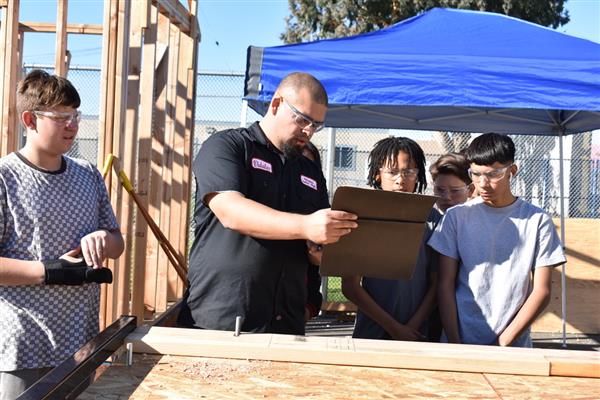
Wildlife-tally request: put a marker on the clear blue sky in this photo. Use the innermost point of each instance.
(228, 28)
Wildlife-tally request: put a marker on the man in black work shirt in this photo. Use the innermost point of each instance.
(258, 202)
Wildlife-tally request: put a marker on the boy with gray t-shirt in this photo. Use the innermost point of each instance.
(501, 248)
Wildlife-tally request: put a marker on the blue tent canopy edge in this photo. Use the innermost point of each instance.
(446, 69)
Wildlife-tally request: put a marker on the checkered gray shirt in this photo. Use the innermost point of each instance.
(42, 216)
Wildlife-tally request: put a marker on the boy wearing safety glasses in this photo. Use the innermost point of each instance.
(56, 230)
(496, 254)
(389, 308)
(452, 185)
(451, 181)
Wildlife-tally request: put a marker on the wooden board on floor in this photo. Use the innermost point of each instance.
(175, 377)
(569, 363)
(361, 352)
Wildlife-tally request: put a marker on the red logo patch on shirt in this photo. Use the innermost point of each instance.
(257, 163)
(310, 182)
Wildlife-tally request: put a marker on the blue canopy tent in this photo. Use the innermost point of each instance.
(449, 70)
(445, 69)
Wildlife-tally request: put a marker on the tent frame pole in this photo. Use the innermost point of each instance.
(330, 160)
(330, 168)
(563, 278)
(244, 114)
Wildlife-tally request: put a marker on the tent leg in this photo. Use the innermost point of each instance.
(330, 160)
(563, 278)
(244, 114)
(330, 167)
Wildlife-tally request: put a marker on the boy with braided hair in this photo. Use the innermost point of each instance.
(396, 309)
(52, 209)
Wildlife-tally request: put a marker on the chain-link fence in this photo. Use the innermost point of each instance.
(219, 106)
(537, 157)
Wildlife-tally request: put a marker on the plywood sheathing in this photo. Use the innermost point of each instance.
(177, 377)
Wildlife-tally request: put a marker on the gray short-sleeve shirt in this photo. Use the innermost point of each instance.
(43, 215)
(497, 249)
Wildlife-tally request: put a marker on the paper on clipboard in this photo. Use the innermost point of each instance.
(389, 234)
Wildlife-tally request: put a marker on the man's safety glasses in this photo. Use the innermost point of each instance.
(304, 121)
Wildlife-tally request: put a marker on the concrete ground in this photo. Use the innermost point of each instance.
(341, 324)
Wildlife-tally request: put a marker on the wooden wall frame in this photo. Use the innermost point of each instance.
(148, 47)
(10, 39)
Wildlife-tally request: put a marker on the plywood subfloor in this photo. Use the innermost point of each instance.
(154, 377)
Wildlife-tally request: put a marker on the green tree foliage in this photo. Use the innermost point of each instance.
(323, 19)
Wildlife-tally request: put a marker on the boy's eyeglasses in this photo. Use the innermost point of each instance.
(452, 192)
(304, 121)
(406, 173)
(493, 175)
(62, 118)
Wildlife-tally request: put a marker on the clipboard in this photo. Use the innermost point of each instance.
(388, 238)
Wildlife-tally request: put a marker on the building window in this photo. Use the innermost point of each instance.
(345, 158)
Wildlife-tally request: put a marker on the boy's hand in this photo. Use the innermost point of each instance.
(502, 340)
(93, 247)
(405, 332)
(72, 256)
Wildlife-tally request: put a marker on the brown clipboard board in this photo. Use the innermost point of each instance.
(389, 234)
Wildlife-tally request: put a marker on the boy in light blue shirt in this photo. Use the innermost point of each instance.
(496, 254)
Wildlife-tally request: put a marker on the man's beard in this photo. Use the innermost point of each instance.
(292, 150)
